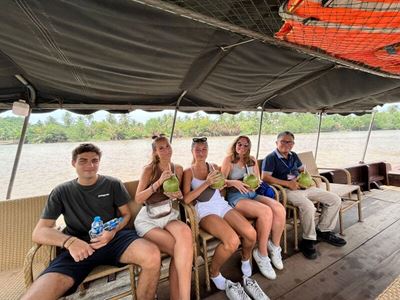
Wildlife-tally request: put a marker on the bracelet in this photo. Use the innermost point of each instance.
(152, 188)
(66, 240)
(72, 241)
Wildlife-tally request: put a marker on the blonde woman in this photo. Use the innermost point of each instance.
(269, 214)
(220, 220)
(171, 235)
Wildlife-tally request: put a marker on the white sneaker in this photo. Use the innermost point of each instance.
(275, 253)
(253, 289)
(264, 264)
(234, 291)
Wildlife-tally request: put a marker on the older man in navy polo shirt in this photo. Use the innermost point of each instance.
(282, 167)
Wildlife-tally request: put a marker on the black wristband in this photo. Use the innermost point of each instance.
(65, 241)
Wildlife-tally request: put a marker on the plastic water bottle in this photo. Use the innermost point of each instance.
(97, 228)
(110, 225)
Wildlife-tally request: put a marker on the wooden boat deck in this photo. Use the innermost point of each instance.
(362, 269)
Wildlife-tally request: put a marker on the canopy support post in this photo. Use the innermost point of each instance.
(175, 114)
(371, 123)
(259, 132)
(32, 98)
(318, 135)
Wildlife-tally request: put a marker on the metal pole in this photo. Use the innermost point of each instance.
(368, 136)
(175, 114)
(18, 155)
(32, 100)
(319, 132)
(259, 133)
(225, 48)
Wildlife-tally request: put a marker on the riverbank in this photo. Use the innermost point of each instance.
(43, 166)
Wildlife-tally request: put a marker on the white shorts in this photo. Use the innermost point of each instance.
(143, 223)
(217, 207)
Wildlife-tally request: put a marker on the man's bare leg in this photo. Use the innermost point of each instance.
(49, 286)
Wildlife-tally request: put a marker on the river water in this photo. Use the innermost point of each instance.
(42, 166)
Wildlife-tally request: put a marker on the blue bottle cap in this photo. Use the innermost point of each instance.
(97, 219)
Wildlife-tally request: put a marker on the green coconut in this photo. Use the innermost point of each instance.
(171, 185)
(305, 180)
(251, 180)
(220, 183)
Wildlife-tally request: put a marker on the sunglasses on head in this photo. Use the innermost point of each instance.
(157, 136)
(202, 139)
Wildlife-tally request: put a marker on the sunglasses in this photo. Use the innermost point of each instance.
(243, 145)
(202, 139)
(286, 142)
(156, 136)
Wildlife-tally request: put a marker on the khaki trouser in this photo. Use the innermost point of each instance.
(303, 199)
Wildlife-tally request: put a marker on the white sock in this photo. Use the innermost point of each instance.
(219, 281)
(246, 268)
(273, 246)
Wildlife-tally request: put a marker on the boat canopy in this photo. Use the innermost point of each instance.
(124, 55)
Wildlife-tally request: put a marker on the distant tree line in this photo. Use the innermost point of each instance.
(122, 127)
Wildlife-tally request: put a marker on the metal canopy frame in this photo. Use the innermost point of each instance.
(371, 124)
(32, 99)
(318, 134)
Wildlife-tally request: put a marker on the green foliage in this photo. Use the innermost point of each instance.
(122, 127)
(10, 128)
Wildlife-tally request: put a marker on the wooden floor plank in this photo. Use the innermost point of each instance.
(379, 215)
(386, 195)
(363, 274)
(298, 269)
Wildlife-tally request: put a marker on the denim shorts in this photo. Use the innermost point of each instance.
(110, 254)
(234, 197)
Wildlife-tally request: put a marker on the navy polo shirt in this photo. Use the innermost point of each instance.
(279, 167)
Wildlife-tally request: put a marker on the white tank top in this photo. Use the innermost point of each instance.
(197, 182)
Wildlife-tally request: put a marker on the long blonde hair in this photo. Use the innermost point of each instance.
(235, 156)
(155, 159)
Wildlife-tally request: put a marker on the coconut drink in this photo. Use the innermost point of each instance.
(305, 180)
(220, 183)
(171, 185)
(251, 180)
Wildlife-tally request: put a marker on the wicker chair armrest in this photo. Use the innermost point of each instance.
(191, 218)
(346, 172)
(282, 192)
(28, 264)
(324, 179)
(30, 258)
(316, 182)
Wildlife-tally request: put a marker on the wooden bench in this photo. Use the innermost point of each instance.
(367, 176)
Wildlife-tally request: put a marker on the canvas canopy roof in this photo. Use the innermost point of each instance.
(123, 55)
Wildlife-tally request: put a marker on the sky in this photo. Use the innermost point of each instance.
(137, 115)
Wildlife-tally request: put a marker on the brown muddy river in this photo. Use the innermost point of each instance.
(43, 166)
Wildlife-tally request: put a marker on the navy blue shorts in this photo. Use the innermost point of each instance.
(110, 254)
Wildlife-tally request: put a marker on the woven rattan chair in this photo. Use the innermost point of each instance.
(202, 243)
(101, 271)
(17, 220)
(349, 193)
(98, 272)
